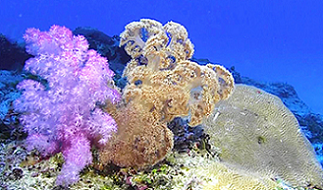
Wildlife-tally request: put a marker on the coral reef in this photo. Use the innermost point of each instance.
(63, 113)
(257, 133)
(310, 123)
(161, 59)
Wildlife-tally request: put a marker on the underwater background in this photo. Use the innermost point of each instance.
(265, 40)
(236, 104)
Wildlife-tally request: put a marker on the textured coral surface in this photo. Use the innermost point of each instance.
(140, 141)
(256, 132)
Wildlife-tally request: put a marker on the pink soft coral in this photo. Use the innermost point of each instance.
(63, 114)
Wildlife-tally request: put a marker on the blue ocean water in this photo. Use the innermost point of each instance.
(265, 40)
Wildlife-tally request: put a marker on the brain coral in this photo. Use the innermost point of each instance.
(224, 178)
(257, 133)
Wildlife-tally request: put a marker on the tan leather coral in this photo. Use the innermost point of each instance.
(163, 79)
(163, 84)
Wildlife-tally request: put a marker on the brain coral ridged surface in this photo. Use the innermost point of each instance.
(256, 132)
(224, 178)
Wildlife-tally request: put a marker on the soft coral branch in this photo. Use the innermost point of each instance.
(65, 116)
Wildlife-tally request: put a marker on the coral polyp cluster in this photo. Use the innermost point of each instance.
(60, 109)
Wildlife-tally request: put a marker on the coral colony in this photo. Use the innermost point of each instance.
(70, 105)
(163, 84)
(64, 115)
